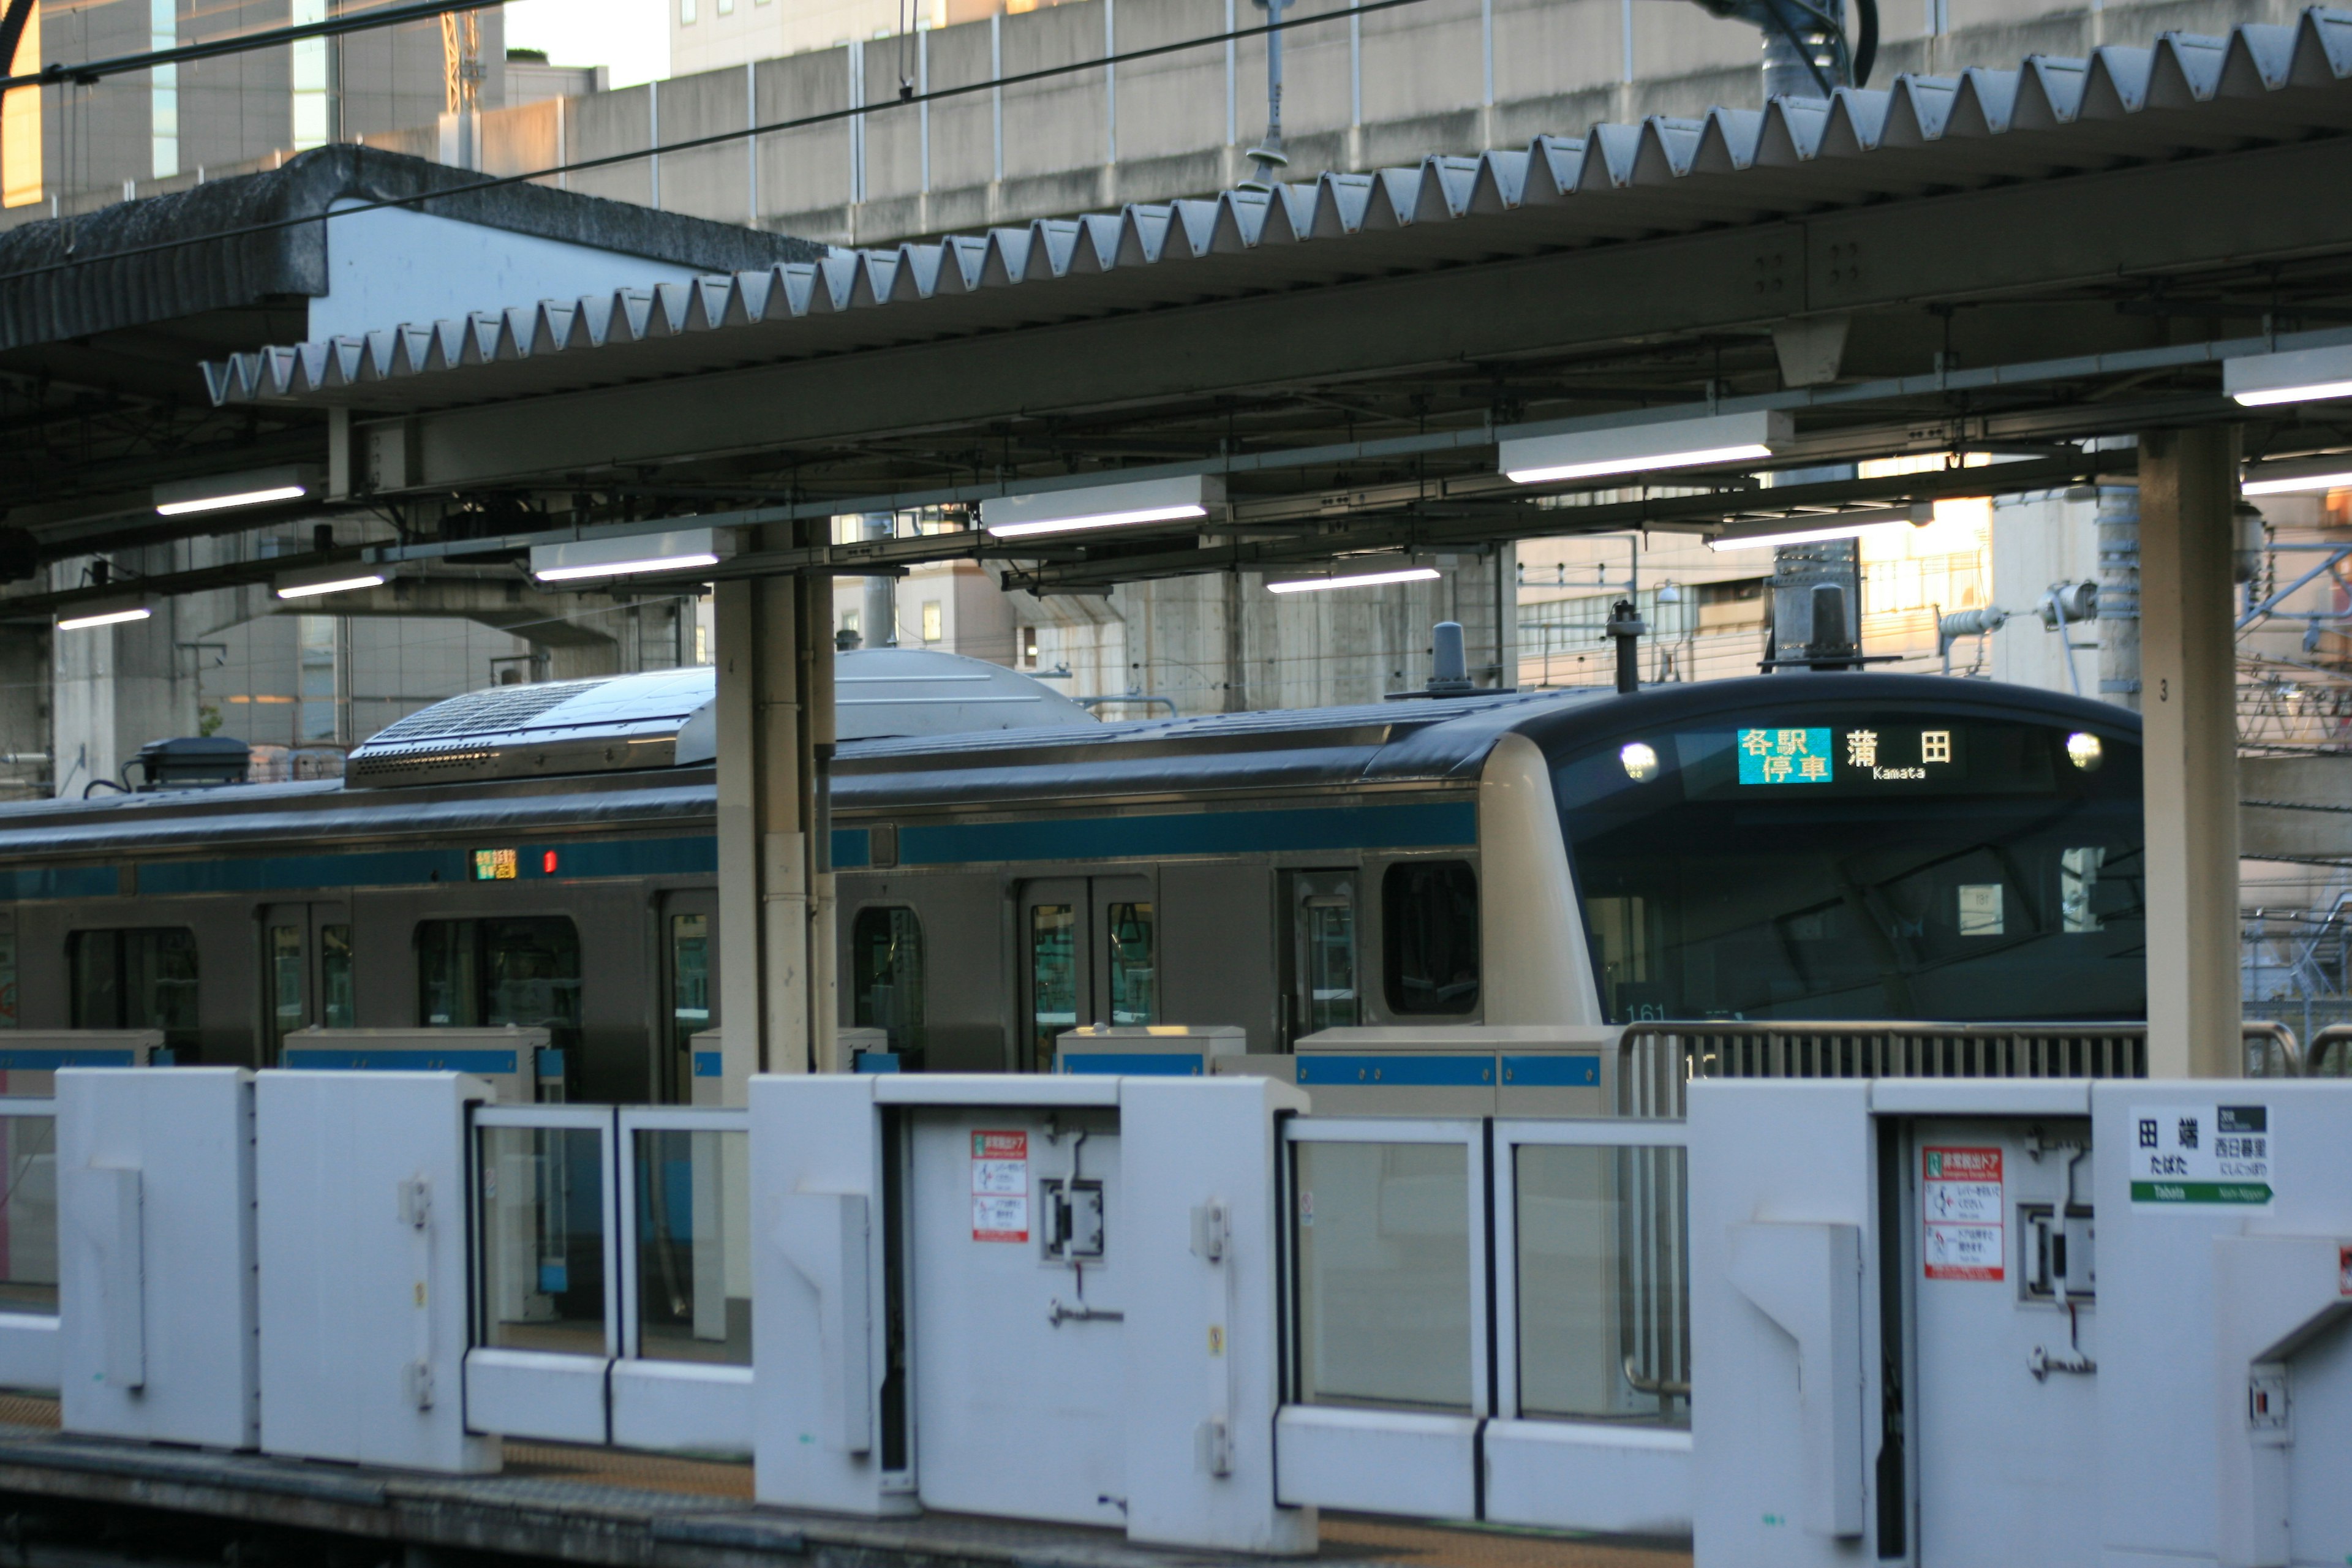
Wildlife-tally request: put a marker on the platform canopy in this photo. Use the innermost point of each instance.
(2012, 262)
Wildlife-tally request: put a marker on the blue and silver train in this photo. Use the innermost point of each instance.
(1816, 845)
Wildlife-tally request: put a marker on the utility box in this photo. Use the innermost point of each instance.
(1050, 1297)
(1148, 1050)
(2022, 1322)
(1468, 1069)
(156, 1292)
(363, 1240)
(520, 1065)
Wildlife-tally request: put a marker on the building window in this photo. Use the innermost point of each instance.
(1028, 648)
(726, 8)
(887, 962)
(934, 620)
(313, 72)
(686, 10)
(492, 973)
(1429, 918)
(143, 979)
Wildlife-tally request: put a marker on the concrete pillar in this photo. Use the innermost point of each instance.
(2187, 493)
(774, 658)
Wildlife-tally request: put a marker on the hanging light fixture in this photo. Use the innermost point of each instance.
(1131, 504)
(1690, 442)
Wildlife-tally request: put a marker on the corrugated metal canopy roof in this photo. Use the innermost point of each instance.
(210, 252)
(2262, 84)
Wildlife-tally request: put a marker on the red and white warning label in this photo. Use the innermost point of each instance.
(1960, 1202)
(999, 1187)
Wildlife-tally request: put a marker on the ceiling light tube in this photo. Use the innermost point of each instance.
(2299, 375)
(223, 492)
(1125, 505)
(103, 613)
(1361, 572)
(578, 560)
(1793, 530)
(2299, 475)
(1691, 442)
(341, 577)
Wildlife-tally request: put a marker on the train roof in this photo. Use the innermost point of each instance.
(1423, 741)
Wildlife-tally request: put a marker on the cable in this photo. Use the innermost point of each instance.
(89, 72)
(715, 139)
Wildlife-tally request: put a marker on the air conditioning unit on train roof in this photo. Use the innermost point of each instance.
(663, 719)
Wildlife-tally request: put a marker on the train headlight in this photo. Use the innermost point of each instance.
(1641, 762)
(2084, 752)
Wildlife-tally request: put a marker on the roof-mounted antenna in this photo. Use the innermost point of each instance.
(1268, 156)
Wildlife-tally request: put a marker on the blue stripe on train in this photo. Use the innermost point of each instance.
(1424, 825)
(324, 1058)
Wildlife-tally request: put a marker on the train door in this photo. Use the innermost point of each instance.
(1090, 948)
(689, 994)
(306, 972)
(1320, 962)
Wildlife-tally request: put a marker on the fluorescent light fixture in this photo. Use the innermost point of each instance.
(2299, 375)
(2299, 475)
(338, 579)
(1702, 441)
(1102, 506)
(1363, 572)
(1793, 530)
(676, 551)
(103, 613)
(222, 492)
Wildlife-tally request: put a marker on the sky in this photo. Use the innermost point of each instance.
(631, 37)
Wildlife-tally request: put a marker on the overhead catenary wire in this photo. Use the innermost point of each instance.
(692, 144)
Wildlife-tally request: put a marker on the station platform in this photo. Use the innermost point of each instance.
(555, 1503)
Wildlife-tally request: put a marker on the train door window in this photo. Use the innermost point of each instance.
(1132, 993)
(1429, 921)
(887, 973)
(140, 978)
(522, 970)
(282, 951)
(690, 1010)
(8, 979)
(444, 976)
(1322, 978)
(338, 1005)
(1054, 974)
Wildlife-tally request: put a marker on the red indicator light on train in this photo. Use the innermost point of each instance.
(547, 863)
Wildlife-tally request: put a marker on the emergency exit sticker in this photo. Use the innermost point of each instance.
(1960, 1202)
(999, 1187)
(2202, 1155)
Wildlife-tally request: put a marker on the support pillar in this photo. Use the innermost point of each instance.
(2188, 498)
(774, 659)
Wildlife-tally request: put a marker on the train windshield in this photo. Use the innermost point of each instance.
(1861, 866)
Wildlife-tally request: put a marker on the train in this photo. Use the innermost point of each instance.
(1817, 845)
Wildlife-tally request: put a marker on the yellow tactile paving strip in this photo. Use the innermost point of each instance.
(1362, 1537)
(621, 1468)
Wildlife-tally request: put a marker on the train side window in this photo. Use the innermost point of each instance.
(8, 979)
(138, 979)
(338, 1008)
(1429, 919)
(1131, 990)
(524, 971)
(887, 964)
